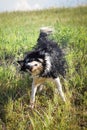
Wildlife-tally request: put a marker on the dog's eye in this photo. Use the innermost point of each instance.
(35, 65)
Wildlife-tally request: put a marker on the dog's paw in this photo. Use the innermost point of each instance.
(31, 105)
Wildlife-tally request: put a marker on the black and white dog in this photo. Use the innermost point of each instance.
(45, 61)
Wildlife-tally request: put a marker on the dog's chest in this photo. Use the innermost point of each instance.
(39, 80)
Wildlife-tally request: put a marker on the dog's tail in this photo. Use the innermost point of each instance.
(45, 31)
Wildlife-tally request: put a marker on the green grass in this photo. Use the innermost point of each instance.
(18, 34)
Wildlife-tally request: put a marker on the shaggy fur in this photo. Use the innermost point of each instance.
(46, 60)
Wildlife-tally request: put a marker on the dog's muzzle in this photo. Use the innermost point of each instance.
(28, 67)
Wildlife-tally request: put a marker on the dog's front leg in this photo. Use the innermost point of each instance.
(33, 92)
(59, 86)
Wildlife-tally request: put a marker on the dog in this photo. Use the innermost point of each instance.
(45, 61)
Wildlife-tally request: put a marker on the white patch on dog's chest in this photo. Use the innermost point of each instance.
(39, 80)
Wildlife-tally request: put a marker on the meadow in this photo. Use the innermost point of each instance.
(18, 34)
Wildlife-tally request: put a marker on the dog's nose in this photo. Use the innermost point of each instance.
(28, 67)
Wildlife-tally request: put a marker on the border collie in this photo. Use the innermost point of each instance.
(45, 61)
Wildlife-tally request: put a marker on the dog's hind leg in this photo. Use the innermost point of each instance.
(59, 86)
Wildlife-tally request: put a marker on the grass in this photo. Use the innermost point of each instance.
(18, 34)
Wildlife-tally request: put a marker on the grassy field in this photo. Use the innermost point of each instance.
(18, 34)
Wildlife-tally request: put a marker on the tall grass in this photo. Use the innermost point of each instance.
(18, 34)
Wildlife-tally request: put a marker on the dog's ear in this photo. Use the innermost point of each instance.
(40, 60)
(21, 62)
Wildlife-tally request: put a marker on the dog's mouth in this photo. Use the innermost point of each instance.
(29, 68)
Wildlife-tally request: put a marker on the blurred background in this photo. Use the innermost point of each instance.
(24, 5)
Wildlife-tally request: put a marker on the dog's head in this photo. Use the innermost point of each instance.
(32, 63)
